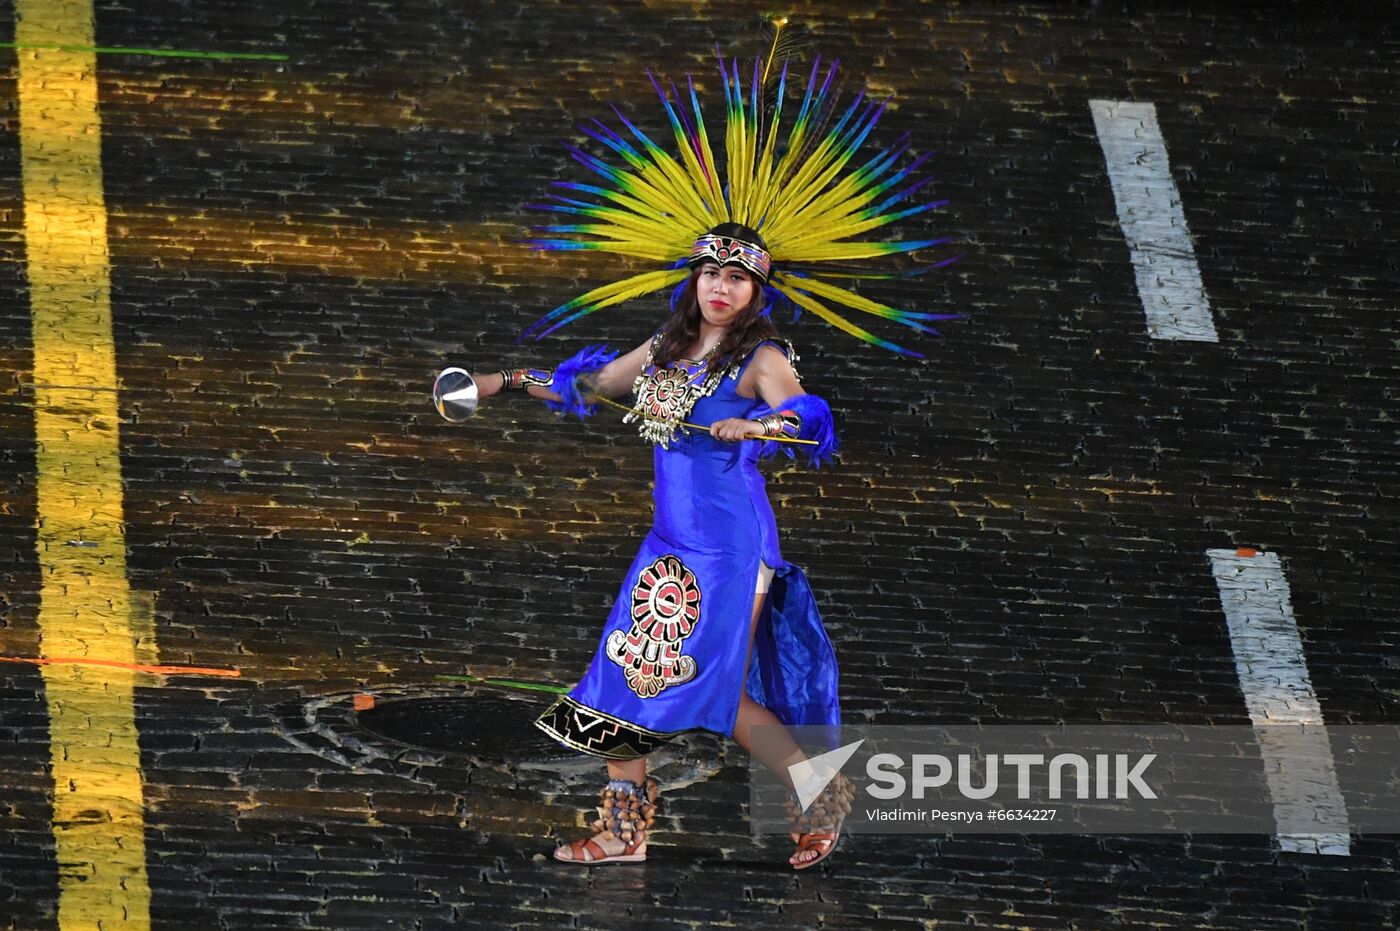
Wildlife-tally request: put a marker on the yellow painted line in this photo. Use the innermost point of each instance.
(85, 607)
(143, 628)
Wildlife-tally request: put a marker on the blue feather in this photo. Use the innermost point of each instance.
(565, 381)
(816, 425)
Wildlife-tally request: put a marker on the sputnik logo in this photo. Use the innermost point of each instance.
(811, 776)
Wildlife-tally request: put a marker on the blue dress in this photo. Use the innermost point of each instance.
(671, 657)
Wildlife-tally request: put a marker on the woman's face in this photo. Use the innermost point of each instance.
(723, 293)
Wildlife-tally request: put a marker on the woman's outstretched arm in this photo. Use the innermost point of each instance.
(615, 379)
(611, 380)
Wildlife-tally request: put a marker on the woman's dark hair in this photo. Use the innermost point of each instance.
(682, 328)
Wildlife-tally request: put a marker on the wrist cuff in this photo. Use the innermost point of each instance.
(781, 423)
(520, 379)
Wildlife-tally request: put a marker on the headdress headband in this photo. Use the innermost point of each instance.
(798, 185)
(726, 250)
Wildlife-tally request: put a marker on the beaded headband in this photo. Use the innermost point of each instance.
(725, 250)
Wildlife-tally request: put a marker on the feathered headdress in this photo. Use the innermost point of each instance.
(797, 188)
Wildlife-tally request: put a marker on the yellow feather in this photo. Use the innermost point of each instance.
(652, 191)
(634, 224)
(844, 198)
(796, 190)
(763, 177)
(637, 285)
(848, 298)
(642, 249)
(716, 190)
(672, 195)
(802, 194)
(837, 252)
(699, 181)
(733, 171)
(807, 302)
(847, 229)
(737, 167)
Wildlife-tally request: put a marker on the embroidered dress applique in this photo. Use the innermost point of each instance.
(665, 609)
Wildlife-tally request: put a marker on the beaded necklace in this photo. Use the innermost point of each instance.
(665, 396)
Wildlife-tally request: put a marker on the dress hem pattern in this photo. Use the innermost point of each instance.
(590, 731)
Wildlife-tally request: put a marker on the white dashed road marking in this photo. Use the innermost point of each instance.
(1299, 768)
(1149, 210)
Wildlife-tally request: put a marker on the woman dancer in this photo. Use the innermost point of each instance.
(712, 629)
(676, 650)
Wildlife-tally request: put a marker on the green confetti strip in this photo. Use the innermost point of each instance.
(157, 52)
(508, 683)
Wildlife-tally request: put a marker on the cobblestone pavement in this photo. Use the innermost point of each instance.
(1015, 532)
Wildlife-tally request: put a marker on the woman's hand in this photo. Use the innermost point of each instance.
(733, 429)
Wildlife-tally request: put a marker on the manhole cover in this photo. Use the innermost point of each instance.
(485, 726)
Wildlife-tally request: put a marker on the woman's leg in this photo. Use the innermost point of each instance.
(782, 752)
(777, 754)
(631, 770)
(634, 771)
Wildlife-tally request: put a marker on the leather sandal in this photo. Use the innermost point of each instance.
(626, 810)
(823, 842)
(590, 853)
(819, 827)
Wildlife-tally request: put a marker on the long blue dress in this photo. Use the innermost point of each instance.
(671, 657)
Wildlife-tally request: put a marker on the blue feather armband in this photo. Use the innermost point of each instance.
(573, 398)
(816, 425)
